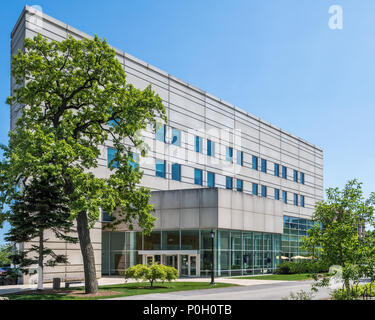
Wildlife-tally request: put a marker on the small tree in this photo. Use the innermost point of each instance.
(39, 207)
(151, 273)
(337, 240)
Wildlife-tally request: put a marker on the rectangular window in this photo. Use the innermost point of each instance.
(160, 168)
(255, 163)
(302, 201)
(284, 172)
(160, 133)
(277, 170)
(198, 144)
(295, 199)
(229, 154)
(176, 137)
(255, 189)
(198, 177)
(277, 194)
(176, 171)
(240, 157)
(285, 197)
(210, 179)
(210, 148)
(134, 161)
(264, 191)
(111, 153)
(302, 177)
(264, 165)
(239, 185)
(229, 183)
(295, 175)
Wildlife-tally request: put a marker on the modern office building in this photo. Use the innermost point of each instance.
(212, 167)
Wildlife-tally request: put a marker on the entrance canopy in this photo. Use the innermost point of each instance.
(167, 252)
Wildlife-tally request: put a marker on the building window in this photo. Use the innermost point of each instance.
(111, 154)
(277, 170)
(295, 201)
(239, 185)
(255, 189)
(160, 133)
(255, 163)
(106, 217)
(264, 191)
(264, 165)
(160, 168)
(285, 197)
(198, 144)
(210, 179)
(229, 183)
(284, 172)
(134, 161)
(176, 137)
(302, 201)
(198, 177)
(302, 177)
(240, 157)
(277, 194)
(210, 148)
(295, 175)
(229, 154)
(176, 171)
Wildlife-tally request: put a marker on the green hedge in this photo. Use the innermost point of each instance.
(301, 267)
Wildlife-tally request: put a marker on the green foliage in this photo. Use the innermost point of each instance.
(40, 206)
(300, 295)
(364, 291)
(301, 267)
(5, 253)
(151, 273)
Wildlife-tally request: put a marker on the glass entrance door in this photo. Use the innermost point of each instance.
(171, 261)
(188, 265)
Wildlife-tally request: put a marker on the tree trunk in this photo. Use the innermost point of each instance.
(40, 262)
(91, 284)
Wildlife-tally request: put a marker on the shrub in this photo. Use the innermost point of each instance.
(301, 267)
(151, 273)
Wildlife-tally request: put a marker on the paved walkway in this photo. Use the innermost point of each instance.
(246, 289)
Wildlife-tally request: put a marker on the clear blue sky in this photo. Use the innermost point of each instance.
(278, 60)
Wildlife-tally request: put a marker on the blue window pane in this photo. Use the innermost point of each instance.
(210, 179)
(302, 177)
(302, 201)
(210, 148)
(277, 169)
(111, 153)
(198, 144)
(160, 168)
(264, 191)
(255, 189)
(198, 176)
(134, 161)
(295, 199)
(176, 172)
(240, 158)
(277, 194)
(160, 133)
(264, 165)
(229, 154)
(176, 137)
(239, 185)
(106, 217)
(284, 172)
(285, 197)
(295, 175)
(255, 163)
(229, 183)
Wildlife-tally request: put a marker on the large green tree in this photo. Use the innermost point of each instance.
(335, 238)
(76, 100)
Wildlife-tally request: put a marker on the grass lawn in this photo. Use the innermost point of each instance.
(113, 291)
(285, 277)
